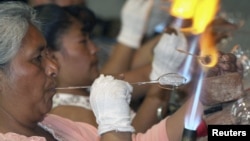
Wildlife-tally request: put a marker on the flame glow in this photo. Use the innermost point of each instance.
(186, 69)
(204, 14)
(193, 119)
(208, 48)
(205, 11)
(183, 8)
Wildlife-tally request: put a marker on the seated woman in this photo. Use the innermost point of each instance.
(68, 40)
(28, 74)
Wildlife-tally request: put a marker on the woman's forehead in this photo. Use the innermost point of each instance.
(34, 38)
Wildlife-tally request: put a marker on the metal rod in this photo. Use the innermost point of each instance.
(74, 87)
(87, 87)
(162, 80)
(201, 58)
(183, 51)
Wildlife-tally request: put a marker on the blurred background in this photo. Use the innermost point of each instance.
(109, 12)
(236, 11)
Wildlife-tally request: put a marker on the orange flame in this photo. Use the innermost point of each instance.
(183, 9)
(208, 49)
(202, 13)
(205, 13)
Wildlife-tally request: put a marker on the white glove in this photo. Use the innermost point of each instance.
(166, 58)
(109, 99)
(134, 18)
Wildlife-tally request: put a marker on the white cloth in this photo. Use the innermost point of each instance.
(68, 99)
(134, 19)
(109, 99)
(166, 58)
(71, 100)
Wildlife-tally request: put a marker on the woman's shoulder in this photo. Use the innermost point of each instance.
(75, 113)
(68, 129)
(10, 136)
(55, 120)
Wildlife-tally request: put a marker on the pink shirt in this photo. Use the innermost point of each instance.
(66, 130)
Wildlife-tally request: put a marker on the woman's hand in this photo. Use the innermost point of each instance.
(109, 99)
(134, 18)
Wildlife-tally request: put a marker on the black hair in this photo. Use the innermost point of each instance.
(55, 21)
(84, 14)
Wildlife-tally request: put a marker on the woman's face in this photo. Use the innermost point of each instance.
(27, 91)
(77, 58)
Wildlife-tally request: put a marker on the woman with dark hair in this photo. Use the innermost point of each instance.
(67, 31)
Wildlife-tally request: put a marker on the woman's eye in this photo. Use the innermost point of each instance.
(38, 59)
(85, 41)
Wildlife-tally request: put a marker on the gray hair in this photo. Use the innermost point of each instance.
(15, 18)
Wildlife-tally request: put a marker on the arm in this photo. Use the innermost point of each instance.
(138, 61)
(138, 75)
(176, 121)
(105, 99)
(134, 18)
(119, 60)
(144, 55)
(129, 58)
(146, 115)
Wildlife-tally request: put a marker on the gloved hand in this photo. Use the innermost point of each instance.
(134, 18)
(166, 58)
(109, 99)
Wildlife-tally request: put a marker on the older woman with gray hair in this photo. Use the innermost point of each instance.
(27, 83)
